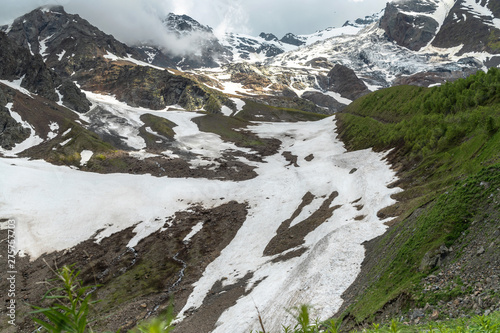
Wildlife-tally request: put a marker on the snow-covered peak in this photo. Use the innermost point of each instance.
(365, 21)
(183, 24)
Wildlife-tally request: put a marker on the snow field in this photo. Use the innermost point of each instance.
(43, 199)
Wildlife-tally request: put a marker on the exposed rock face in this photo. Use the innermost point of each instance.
(51, 33)
(425, 79)
(413, 30)
(184, 25)
(11, 132)
(148, 87)
(244, 46)
(413, 24)
(155, 56)
(292, 39)
(320, 62)
(323, 100)
(476, 33)
(344, 81)
(201, 37)
(251, 77)
(73, 97)
(268, 36)
(16, 62)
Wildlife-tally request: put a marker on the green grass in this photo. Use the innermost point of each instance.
(440, 223)
(229, 129)
(252, 108)
(443, 151)
(483, 324)
(160, 125)
(81, 139)
(70, 307)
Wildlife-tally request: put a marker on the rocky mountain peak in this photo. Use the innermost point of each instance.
(362, 22)
(204, 48)
(413, 24)
(183, 24)
(268, 36)
(292, 39)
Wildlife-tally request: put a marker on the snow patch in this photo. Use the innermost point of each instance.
(54, 129)
(65, 142)
(34, 190)
(129, 58)
(196, 228)
(43, 46)
(66, 132)
(483, 13)
(338, 97)
(61, 55)
(85, 156)
(31, 141)
(141, 154)
(226, 111)
(239, 104)
(16, 84)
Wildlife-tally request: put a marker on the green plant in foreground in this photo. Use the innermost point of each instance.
(71, 307)
(484, 324)
(69, 313)
(305, 325)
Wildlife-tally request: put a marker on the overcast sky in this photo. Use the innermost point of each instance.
(132, 19)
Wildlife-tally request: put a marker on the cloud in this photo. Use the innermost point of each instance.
(133, 21)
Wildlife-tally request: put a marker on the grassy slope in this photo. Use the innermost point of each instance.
(445, 138)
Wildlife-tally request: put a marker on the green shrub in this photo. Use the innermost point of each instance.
(72, 301)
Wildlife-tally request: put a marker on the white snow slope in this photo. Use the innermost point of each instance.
(57, 207)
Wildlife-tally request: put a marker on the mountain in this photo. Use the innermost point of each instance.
(441, 255)
(204, 48)
(51, 33)
(211, 171)
(470, 25)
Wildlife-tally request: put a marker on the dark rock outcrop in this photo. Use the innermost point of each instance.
(323, 100)
(16, 62)
(200, 37)
(292, 39)
(320, 62)
(245, 46)
(425, 79)
(475, 33)
(268, 37)
(149, 87)
(66, 42)
(73, 97)
(410, 31)
(344, 81)
(11, 132)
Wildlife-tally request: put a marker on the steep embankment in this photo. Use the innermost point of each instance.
(441, 256)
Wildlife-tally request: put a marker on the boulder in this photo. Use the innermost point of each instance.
(344, 81)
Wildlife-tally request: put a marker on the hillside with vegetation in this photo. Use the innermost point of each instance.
(440, 257)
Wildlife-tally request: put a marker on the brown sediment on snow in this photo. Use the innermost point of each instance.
(289, 237)
(136, 282)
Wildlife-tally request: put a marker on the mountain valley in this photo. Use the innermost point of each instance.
(354, 169)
